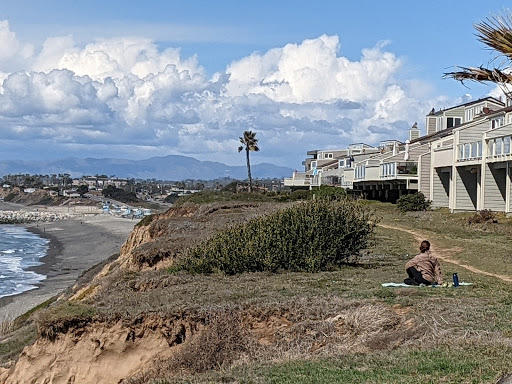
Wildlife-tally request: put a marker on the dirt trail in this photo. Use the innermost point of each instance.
(448, 253)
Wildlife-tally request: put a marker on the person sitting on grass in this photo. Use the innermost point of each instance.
(423, 268)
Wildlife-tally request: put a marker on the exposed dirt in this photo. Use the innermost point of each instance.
(113, 351)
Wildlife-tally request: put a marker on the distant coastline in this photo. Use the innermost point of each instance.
(76, 244)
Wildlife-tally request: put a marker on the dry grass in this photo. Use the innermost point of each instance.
(256, 323)
(6, 327)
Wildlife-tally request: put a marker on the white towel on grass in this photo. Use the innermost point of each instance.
(422, 285)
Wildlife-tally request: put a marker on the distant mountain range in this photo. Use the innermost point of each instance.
(170, 167)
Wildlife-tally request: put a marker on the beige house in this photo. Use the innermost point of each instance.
(463, 162)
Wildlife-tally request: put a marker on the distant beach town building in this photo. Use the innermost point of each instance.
(463, 162)
(99, 182)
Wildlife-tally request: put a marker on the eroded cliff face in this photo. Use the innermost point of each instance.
(106, 351)
(100, 352)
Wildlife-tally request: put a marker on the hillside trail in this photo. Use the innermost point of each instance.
(446, 254)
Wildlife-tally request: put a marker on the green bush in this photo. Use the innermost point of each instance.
(311, 236)
(10, 196)
(208, 197)
(171, 198)
(328, 192)
(413, 202)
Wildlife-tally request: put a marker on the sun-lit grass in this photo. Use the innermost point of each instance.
(381, 335)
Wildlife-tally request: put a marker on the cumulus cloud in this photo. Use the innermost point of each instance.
(126, 97)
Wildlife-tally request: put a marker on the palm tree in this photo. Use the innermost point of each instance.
(250, 143)
(495, 32)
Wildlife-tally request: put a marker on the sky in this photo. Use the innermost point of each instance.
(137, 79)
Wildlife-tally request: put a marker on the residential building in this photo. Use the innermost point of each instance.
(463, 162)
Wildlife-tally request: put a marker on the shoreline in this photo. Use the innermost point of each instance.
(76, 245)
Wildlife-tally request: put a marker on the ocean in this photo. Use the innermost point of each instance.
(19, 250)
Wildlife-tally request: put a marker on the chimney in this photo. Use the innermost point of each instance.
(414, 132)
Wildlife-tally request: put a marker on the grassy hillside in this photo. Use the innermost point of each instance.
(338, 326)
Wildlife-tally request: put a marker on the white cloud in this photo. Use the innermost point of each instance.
(124, 95)
(13, 53)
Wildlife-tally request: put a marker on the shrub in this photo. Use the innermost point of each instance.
(483, 216)
(413, 202)
(146, 220)
(10, 196)
(171, 198)
(299, 194)
(312, 236)
(208, 197)
(328, 192)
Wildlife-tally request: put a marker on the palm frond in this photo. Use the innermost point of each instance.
(480, 75)
(484, 75)
(496, 33)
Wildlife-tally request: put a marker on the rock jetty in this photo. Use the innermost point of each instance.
(22, 217)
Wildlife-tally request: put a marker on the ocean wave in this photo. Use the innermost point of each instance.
(20, 250)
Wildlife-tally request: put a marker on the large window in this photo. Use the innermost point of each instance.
(453, 121)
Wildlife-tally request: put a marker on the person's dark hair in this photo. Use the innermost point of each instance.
(425, 246)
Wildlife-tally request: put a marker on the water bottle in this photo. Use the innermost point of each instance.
(455, 280)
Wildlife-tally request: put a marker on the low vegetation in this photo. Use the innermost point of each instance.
(413, 202)
(119, 194)
(483, 216)
(314, 236)
(337, 325)
(229, 193)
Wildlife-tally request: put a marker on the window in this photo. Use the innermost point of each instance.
(327, 155)
(474, 150)
(499, 146)
(469, 114)
(453, 121)
(506, 145)
(461, 151)
(313, 164)
(479, 148)
(467, 150)
(496, 123)
(439, 124)
(341, 163)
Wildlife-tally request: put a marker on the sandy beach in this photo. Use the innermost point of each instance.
(76, 245)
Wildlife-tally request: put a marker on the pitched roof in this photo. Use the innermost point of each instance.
(469, 103)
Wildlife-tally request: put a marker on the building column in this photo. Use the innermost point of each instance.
(508, 178)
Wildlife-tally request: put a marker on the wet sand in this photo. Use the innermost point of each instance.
(75, 246)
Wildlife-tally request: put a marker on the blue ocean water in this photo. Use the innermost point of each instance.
(19, 250)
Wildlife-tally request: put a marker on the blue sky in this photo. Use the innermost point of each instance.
(140, 79)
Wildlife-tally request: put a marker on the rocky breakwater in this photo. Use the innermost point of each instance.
(22, 217)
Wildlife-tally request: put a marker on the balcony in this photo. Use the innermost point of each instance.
(499, 148)
(399, 170)
(298, 179)
(469, 151)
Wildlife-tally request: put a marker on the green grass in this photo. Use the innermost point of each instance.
(419, 366)
(459, 335)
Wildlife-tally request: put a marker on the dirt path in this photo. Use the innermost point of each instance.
(448, 253)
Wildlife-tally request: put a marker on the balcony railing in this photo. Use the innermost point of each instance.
(394, 169)
(499, 146)
(469, 151)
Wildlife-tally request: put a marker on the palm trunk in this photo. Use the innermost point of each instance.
(249, 170)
